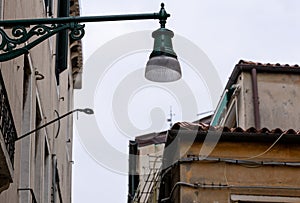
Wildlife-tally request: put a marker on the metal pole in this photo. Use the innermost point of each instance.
(162, 15)
(79, 19)
(87, 111)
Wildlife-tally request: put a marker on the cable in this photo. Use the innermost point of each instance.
(225, 174)
(251, 165)
(252, 157)
(245, 163)
(58, 128)
(221, 186)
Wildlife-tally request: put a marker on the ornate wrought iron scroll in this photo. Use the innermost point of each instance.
(17, 42)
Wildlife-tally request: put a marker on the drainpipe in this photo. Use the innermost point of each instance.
(255, 98)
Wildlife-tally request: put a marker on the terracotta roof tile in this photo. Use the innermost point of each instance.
(238, 129)
(202, 127)
(247, 66)
(151, 138)
(191, 126)
(291, 131)
(264, 130)
(157, 138)
(252, 130)
(251, 63)
(277, 130)
(226, 129)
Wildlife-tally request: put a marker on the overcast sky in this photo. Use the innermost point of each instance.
(225, 31)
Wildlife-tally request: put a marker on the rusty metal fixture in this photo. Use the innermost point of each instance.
(38, 75)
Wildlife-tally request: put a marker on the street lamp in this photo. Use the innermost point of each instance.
(162, 66)
(86, 111)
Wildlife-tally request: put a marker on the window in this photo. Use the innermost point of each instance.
(226, 112)
(56, 195)
(230, 119)
(221, 109)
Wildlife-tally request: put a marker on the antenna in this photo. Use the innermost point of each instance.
(170, 119)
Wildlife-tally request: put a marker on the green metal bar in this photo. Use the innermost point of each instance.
(162, 15)
(220, 109)
(78, 19)
(222, 106)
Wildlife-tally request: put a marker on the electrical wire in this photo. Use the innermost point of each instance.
(221, 186)
(58, 128)
(237, 161)
(251, 165)
(266, 151)
(225, 174)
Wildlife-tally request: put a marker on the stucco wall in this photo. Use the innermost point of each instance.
(219, 180)
(279, 98)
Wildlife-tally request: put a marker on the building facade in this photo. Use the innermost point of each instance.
(145, 162)
(36, 88)
(248, 152)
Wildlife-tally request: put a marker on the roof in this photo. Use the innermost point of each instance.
(237, 134)
(151, 138)
(247, 66)
(270, 65)
(232, 134)
(205, 127)
(252, 134)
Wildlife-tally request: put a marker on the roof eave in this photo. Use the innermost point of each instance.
(200, 136)
(244, 66)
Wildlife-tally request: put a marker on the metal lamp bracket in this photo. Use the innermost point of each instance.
(20, 35)
(20, 31)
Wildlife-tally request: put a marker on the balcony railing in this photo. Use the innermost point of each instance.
(7, 126)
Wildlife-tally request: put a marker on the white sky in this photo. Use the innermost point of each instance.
(226, 31)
